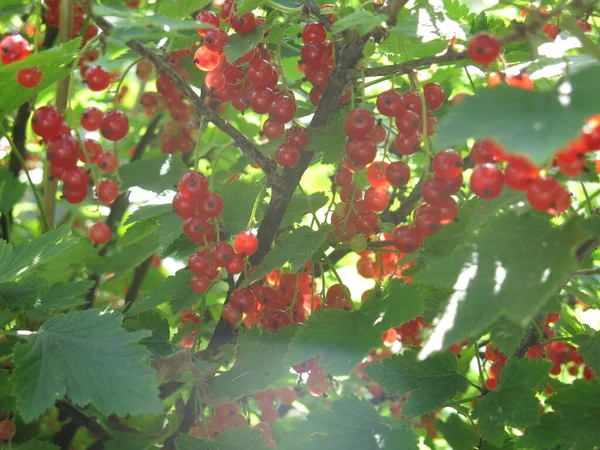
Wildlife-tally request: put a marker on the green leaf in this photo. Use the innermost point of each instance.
(28, 254)
(513, 401)
(158, 342)
(328, 140)
(589, 348)
(88, 357)
(166, 227)
(239, 197)
(302, 204)
(351, 424)
(175, 289)
(296, 248)
(23, 294)
(240, 44)
(7, 398)
(458, 433)
(35, 445)
(180, 8)
(431, 382)
(59, 297)
(244, 6)
(11, 190)
(363, 20)
(543, 436)
(156, 174)
(506, 335)
(261, 356)
(344, 338)
(579, 408)
(232, 439)
(148, 211)
(510, 266)
(536, 123)
(54, 65)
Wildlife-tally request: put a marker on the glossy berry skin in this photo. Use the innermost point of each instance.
(245, 243)
(261, 99)
(543, 193)
(108, 162)
(487, 181)
(63, 150)
(447, 164)
(551, 30)
(260, 72)
(317, 384)
(448, 210)
(114, 126)
(243, 300)
(361, 151)
(107, 191)
(407, 239)
(184, 207)
(236, 265)
(484, 48)
(205, 59)
(273, 129)
(76, 177)
(408, 122)
(520, 173)
(210, 206)
(215, 79)
(377, 199)
(199, 263)
(389, 103)
(427, 220)
(359, 123)
(366, 222)
(46, 121)
(193, 185)
(408, 144)
(97, 78)
(376, 175)
(244, 24)
(93, 150)
(314, 31)
(434, 95)
(287, 155)
(91, 118)
(13, 48)
(198, 229)
(434, 191)
(207, 17)
(486, 151)
(99, 233)
(215, 40)
(29, 78)
(200, 284)
(221, 254)
(297, 136)
(398, 173)
(283, 108)
(231, 314)
(275, 320)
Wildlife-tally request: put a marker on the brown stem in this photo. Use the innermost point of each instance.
(83, 420)
(138, 278)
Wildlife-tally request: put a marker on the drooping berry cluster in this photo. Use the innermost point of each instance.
(544, 192)
(15, 48)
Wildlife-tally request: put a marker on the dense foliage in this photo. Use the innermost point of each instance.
(259, 224)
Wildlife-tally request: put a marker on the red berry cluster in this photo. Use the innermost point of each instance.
(544, 192)
(317, 383)
(382, 263)
(15, 48)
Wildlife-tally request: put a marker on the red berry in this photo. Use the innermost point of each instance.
(210, 206)
(99, 233)
(63, 150)
(261, 99)
(13, 48)
(408, 122)
(447, 164)
(435, 191)
(75, 194)
(551, 30)
(243, 300)
(283, 108)
(184, 207)
(484, 48)
(97, 78)
(543, 193)
(205, 59)
(114, 126)
(318, 76)
(275, 320)
(200, 284)
(207, 17)
(46, 122)
(93, 150)
(407, 144)
(427, 220)
(398, 173)
(361, 151)
(29, 78)
(91, 118)
(584, 25)
(407, 239)
(260, 72)
(244, 24)
(486, 151)
(215, 79)
(245, 243)
(317, 384)
(221, 254)
(199, 263)
(520, 173)
(314, 31)
(359, 123)
(366, 222)
(297, 136)
(287, 155)
(76, 177)
(376, 175)
(108, 162)
(193, 185)
(273, 129)
(448, 210)
(377, 199)
(107, 191)
(434, 95)
(389, 103)
(487, 181)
